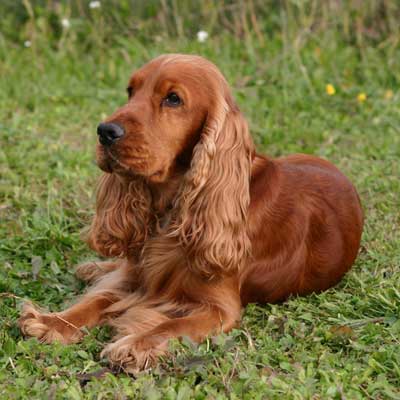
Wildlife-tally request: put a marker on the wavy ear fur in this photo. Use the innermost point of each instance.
(214, 201)
(123, 217)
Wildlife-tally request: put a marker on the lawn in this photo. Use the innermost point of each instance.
(341, 344)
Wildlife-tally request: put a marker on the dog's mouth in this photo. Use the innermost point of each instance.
(115, 161)
(110, 162)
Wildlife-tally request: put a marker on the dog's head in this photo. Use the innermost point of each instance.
(181, 119)
(172, 101)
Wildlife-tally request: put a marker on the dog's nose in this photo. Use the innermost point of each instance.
(109, 133)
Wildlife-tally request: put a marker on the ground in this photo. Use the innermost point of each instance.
(322, 95)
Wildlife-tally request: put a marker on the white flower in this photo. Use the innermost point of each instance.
(27, 43)
(202, 36)
(65, 23)
(94, 4)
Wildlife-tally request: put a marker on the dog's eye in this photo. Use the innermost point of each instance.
(129, 90)
(172, 100)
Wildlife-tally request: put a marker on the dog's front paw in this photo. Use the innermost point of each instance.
(93, 270)
(47, 328)
(132, 353)
(89, 271)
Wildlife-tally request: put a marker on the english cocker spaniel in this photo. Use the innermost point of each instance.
(195, 223)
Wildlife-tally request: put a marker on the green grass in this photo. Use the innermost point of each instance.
(344, 343)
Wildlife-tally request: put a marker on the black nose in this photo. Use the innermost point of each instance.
(109, 133)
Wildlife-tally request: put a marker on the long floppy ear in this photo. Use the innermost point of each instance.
(122, 218)
(214, 201)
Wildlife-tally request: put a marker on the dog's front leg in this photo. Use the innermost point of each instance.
(91, 271)
(90, 311)
(140, 350)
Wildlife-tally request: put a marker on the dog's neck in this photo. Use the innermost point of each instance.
(164, 193)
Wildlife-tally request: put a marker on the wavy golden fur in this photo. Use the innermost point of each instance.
(198, 224)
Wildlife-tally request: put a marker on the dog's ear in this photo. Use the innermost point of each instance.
(120, 225)
(213, 205)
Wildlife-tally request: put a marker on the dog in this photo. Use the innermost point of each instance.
(194, 223)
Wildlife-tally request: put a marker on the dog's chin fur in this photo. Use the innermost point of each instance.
(105, 166)
(111, 164)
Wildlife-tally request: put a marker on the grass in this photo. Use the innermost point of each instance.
(344, 343)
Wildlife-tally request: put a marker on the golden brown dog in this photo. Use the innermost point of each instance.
(196, 223)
